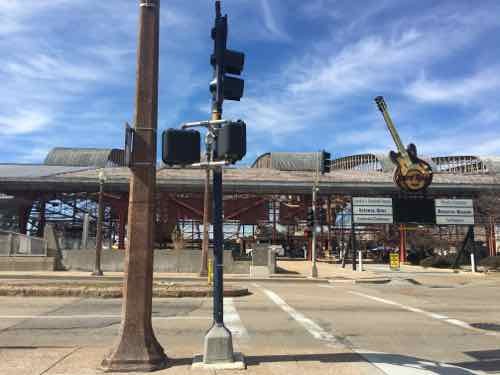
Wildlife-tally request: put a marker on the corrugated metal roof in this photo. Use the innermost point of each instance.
(34, 170)
(294, 161)
(85, 157)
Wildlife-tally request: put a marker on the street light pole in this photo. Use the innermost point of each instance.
(100, 219)
(314, 268)
(353, 236)
(137, 348)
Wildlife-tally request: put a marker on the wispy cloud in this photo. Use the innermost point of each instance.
(271, 22)
(24, 121)
(325, 88)
(461, 90)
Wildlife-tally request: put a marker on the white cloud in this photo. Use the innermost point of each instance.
(463, 90)
(23, 122)
(311, 92)
(15, 14)
(270, 21)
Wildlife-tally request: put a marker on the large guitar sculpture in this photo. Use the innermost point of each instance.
(412, 173)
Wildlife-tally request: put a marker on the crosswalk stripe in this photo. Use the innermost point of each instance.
(439, 317)
(232, 320)
(313, 328)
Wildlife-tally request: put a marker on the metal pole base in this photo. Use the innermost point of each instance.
(218, 345)
(97, 273)
(314, 271)
(140, 353)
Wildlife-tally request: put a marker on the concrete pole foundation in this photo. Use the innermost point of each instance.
(218, 351)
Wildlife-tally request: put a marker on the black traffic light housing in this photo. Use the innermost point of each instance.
(325, 162)
(310, 218)
(231, 142)
(227, 62)
(181, 147)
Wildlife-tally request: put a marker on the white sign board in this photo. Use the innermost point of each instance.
(455, 220)
(372, 210)
(375, 219)
(360, 201)
(454, 203)
(454, 212)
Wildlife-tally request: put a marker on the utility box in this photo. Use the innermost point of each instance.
(263, 261)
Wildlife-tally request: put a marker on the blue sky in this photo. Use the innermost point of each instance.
(312, 70)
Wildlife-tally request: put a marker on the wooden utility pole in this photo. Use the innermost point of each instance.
(137, 348)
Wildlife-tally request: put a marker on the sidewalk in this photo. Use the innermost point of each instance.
(86, 361)
(332, 272)
(158, 276)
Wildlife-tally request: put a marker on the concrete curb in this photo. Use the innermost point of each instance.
(105, 278)
(111, 291)
(373, 281)
(360, 281)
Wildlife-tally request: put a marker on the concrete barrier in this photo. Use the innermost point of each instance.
(183, 261)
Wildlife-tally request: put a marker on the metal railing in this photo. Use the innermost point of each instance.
(17, 244)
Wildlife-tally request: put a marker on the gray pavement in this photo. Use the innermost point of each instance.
(282, 328)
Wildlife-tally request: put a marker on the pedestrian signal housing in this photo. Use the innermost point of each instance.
(180, 147)
(231, 142)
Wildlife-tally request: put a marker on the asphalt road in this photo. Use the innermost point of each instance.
(282, 328)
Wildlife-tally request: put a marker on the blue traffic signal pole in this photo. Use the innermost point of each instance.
(217, 100)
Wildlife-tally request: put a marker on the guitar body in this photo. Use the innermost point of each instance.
(414, 176)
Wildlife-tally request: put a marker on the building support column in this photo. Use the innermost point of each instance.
(122, 221)
(41, 218)
(23, 216)
(402, 243)
(491, 234)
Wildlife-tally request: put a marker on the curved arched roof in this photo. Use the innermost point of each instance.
(300, 161)
(85, 157)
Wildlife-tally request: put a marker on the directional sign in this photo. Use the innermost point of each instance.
(455, 220)
(454, 212)
(372, 219)
(372, 210)
(454, 203)
(360, 201)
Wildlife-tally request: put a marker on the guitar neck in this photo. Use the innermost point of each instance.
(395, 135)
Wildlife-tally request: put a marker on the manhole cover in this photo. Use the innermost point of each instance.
(487, 326)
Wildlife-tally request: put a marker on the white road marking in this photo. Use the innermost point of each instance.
(313, 328)
(232, 320)
(46, 317)
(439, 317)
(393, 364)
(389, 364)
